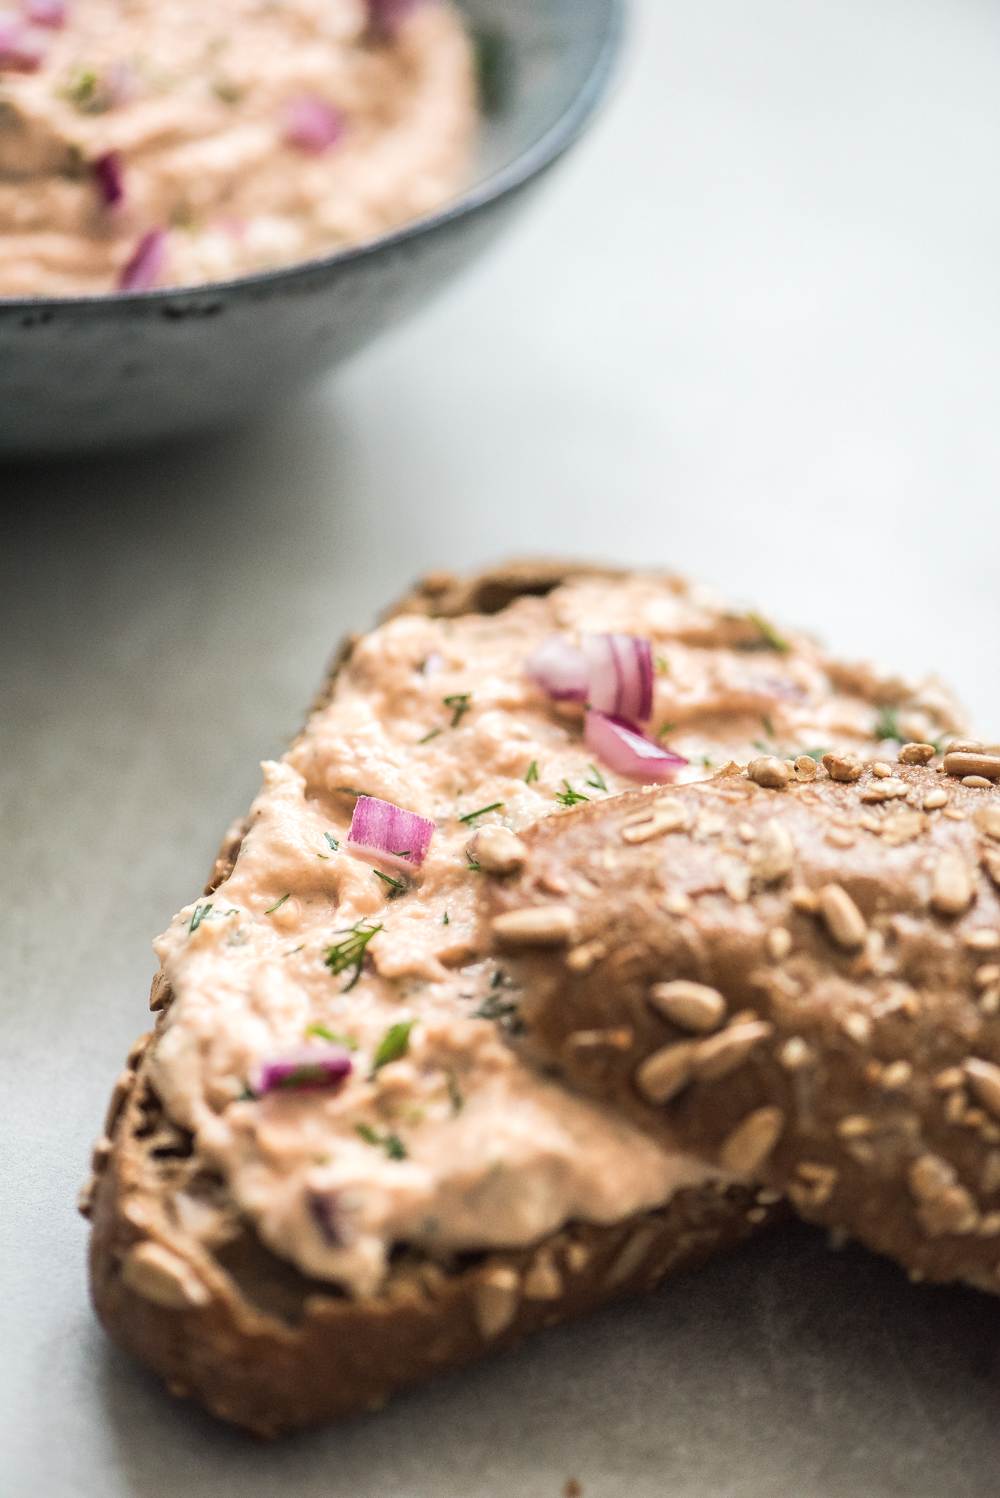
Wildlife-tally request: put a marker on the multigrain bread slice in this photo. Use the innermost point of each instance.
(181, 1276)
(801, 984)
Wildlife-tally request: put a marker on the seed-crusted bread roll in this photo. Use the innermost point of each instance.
(328, 1174)
(793, 974)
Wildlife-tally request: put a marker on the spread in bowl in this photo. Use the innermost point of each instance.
(165, 145)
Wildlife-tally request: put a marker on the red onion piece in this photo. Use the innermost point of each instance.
(433, 664)
(311, 124)
(146, 265)
(621, 675)
(392, 834)
(308, 1068)
(559, 669)
(46, 12)
(107, 170)
(386, 16)
(624, 748)
(22, 50)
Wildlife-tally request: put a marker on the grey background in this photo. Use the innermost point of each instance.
(750, 330)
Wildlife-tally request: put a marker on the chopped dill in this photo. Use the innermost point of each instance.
(444, 920)
(470, 816)
(532, 772)
(887, 724)
(200, 912)
(666, 728)
(394, 1043)
(391, 1143)
(322, 1032)
(348, 790)
(769, 634)
(768, 726)
(460, 704)
(662, 666)
(597, 779)
(333, 841)
(432, 735)
(350, 953)
(277, 904)
(455, 1097)
(473, 865)
(570, 797)
(397, 887)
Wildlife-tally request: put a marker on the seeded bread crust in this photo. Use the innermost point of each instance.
(801, 985)
(180, 1281)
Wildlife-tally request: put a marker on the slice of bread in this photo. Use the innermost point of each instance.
(181, 1274)
(809, 982)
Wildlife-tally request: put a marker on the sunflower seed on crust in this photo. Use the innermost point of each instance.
(691, 1006)
(664, 1074)
(495, 1300)
(535, 926)
(752, 1141)
(842, 917)
(158, 1274)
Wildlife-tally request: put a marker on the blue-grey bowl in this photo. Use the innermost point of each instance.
(86, 373)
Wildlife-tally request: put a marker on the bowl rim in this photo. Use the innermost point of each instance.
(533, 160)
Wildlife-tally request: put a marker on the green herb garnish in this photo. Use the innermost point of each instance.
(597, 779)
(887, 724)
(455, 1097)
(570, 797)
(397, 886)
(394, 1043)
(473, 865)
(769, 634)
(348, 790)
(432, 735)
(333, 841)
(460, 704)
(662, 666)
(277, 904)
(84, 91)
(470, 816)
(495, 1007)
(667, 728)
(532, 772)
(200, 912)
(768, 726)
(391, 1143)
(322, 1032)
(350, 953)
(444, 920)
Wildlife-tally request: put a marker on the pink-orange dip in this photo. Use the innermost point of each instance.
(172, 144)
(457, 1143)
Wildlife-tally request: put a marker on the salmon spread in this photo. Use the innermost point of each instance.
(162, 145)
(341, 1042)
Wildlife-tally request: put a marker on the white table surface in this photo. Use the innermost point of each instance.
(750, 330)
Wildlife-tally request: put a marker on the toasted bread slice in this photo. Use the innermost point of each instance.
(269, 1321)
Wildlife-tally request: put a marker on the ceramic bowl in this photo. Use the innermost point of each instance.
(90, 373)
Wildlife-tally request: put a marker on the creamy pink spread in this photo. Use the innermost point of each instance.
(458, 1143)
(243, 134)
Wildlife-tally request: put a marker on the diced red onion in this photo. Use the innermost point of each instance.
(146, 265)
(559, 669)
(386, 16)
(620, 675)
(308, 1068)
(392, 834)
(22, 50)
(311, 124)
(624, 748)
(46, 12)
(107, 170)
(433, 664)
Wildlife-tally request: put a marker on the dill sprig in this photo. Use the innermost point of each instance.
(350, 953)
(570, 797)
(596, 779)
(769, 634)
(323, 1032)
(460, 704)
(394, 1043)
(532, 772)
(391, 1143)
(470, 816)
